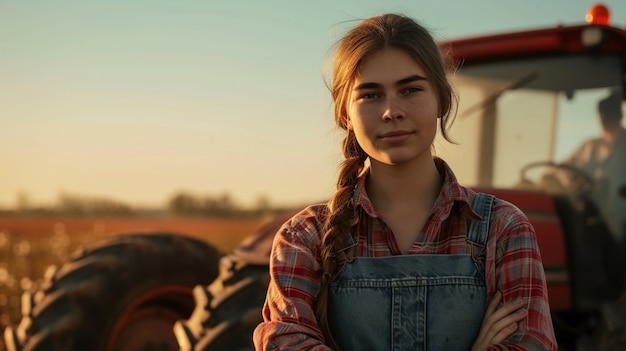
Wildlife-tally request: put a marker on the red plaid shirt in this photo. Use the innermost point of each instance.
(512, 264)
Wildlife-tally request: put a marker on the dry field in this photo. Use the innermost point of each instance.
(29, 245)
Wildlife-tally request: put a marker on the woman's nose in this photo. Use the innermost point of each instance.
(393, 109)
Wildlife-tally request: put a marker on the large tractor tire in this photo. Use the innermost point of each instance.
(228, 310)
(123, 294)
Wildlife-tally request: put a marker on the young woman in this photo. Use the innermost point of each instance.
(402, 257)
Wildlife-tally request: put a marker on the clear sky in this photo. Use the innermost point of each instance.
(135, 100)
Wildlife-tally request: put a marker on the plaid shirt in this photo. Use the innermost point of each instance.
(512, 264)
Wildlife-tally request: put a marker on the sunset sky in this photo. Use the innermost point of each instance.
(136, 100)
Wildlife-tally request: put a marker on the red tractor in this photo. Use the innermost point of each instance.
(520, 94)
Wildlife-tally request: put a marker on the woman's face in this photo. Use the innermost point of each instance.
(393, 108)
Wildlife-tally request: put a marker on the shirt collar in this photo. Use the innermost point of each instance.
(452, 193)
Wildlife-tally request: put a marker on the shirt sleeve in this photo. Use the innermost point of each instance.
(289, 321)
(517, 271)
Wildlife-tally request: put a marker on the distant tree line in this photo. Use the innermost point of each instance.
(75, 205)
(187, 204)
(180, 204)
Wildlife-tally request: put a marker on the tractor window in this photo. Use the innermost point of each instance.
(518, 120)
(519, 112)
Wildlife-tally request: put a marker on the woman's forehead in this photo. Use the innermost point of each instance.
(388, 65)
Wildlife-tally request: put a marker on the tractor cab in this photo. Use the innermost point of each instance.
(527, 101)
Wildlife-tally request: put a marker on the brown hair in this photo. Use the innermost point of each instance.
(611, 106)
(371, 35)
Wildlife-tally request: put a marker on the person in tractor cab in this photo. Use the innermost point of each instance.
(603, 161)
(402, 257)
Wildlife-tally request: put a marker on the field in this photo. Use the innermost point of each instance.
(29, 245)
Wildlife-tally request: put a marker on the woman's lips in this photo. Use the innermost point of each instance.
(396, 136)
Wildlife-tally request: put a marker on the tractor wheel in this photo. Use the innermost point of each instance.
(228, 310)
(125, 293)
(610, 331)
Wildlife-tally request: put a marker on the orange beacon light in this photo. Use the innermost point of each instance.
(598, 14)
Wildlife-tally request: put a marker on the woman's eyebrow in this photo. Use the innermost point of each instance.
(409, 79)
(365, 86)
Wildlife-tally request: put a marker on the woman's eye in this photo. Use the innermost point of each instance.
(412, 90)
(369, 96)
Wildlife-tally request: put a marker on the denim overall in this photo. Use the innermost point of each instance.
(412, 302)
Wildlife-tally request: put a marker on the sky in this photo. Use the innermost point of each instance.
(137, 100)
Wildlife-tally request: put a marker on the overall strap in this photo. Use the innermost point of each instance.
(479, 230)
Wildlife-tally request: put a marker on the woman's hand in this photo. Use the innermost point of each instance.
(499, 322)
